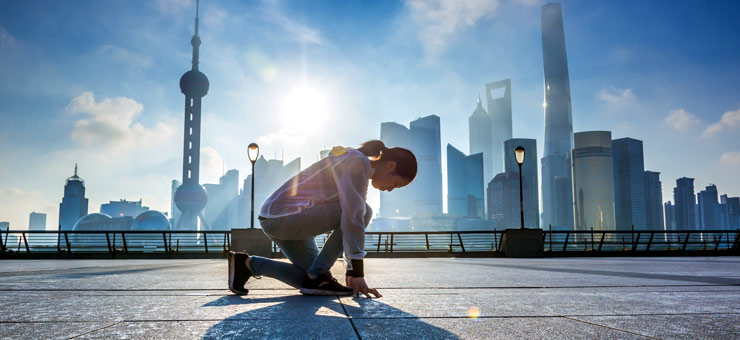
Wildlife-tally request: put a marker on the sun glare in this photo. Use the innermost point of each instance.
(305, 108)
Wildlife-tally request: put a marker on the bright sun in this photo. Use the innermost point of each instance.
(304, 108)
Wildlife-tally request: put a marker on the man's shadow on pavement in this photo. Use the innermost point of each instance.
(318, 317)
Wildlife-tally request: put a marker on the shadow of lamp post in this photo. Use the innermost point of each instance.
(253, 150)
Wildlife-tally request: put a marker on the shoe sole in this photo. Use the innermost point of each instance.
(232, 272)
(321, 292)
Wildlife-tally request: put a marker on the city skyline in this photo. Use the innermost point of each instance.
(131, 75)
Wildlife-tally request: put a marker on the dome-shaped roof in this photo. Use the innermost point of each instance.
(94, 217)
(194, 84)
(151, 220)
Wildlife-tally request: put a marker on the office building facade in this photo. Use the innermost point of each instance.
(499, 109)
(629, 184)
(593, 181)
(464, 183)
(74, 203)
(653, 201)
(685, 204)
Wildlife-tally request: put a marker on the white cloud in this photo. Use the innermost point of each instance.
(214, 18)
(302, 32)
(730, 158)
(439, 20)
(730, 120)
(6, 40)
(285, 138)
(110, 123)
(681, 120)
(211, 165)
(617, 97)
(125, 56)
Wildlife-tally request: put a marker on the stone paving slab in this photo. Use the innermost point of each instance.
(452, 298)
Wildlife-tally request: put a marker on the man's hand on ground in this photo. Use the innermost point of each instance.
(360, 286)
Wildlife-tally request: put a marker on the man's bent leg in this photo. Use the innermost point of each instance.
(300, 252)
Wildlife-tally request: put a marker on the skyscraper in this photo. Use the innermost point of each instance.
(174, 212)
(425, 196)
(593, 181)
(74, 203)
(464, 183)
(708, 208)
(398, 203)
(629, 184)
(557, 195)
(191, 197)
(503, 212)
(653, 201)
(670, 216)
(685, 204)
(499, 109)
(481, 140)
(36, 221)
(221, 212)
(733, 212)
(530, 182)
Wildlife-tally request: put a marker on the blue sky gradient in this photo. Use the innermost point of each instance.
(96, 82)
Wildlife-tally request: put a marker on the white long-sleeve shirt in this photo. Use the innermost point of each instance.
(342, 176)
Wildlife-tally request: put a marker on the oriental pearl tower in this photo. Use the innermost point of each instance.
(191, 197)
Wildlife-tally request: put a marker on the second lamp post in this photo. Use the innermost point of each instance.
(519, 152)
(253, 150)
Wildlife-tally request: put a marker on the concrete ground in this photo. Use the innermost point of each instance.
(492, 298)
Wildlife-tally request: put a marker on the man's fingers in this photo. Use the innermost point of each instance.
(375, 292)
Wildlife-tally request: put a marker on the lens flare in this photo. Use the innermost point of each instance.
(473, 312)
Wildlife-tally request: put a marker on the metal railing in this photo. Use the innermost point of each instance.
(18, 243)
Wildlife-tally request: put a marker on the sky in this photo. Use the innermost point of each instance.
(96, 83)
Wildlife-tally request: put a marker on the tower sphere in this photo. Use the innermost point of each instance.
(191, 197)
(194, 84)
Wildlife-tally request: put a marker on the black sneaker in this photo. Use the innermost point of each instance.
(325, 284)
(238, 272)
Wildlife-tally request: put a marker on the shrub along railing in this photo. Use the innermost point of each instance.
(170, 243)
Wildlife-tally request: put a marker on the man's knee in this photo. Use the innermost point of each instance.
(368, 214)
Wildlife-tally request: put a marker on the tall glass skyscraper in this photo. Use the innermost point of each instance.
(530, 182)
(557, 195)
(685, 204)
(629, 184)
(499, 109)
(502, 210)
(708, 208)
(464, 183)
(593, 181)
(670, 216)
(74, 203)
(424, 140)
(654, 201)
(480, 136)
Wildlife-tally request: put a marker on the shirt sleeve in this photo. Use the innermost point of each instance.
(352, 183)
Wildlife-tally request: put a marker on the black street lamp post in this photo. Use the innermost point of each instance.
(519, 152)
(253, 151)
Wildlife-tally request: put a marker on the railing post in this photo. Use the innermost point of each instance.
(737, 239)
(391, 243)
(500, 240)
(107, 239)
(592, 238)
(426, 235)
(164, 239)
(565, 244)
(66, 240)
(635, 240)
(686, 241)
(380, 236)
(461, 243)
(603, 235)
(125, 246)
(28, 250)
(550, 236)
(717, 241)
(205, 241)
(2, 242)
(650, 241)
(228, 239)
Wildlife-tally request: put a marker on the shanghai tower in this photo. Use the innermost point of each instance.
(557, 194)
(191, 197)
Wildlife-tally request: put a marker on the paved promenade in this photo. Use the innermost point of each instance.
(497, 298)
